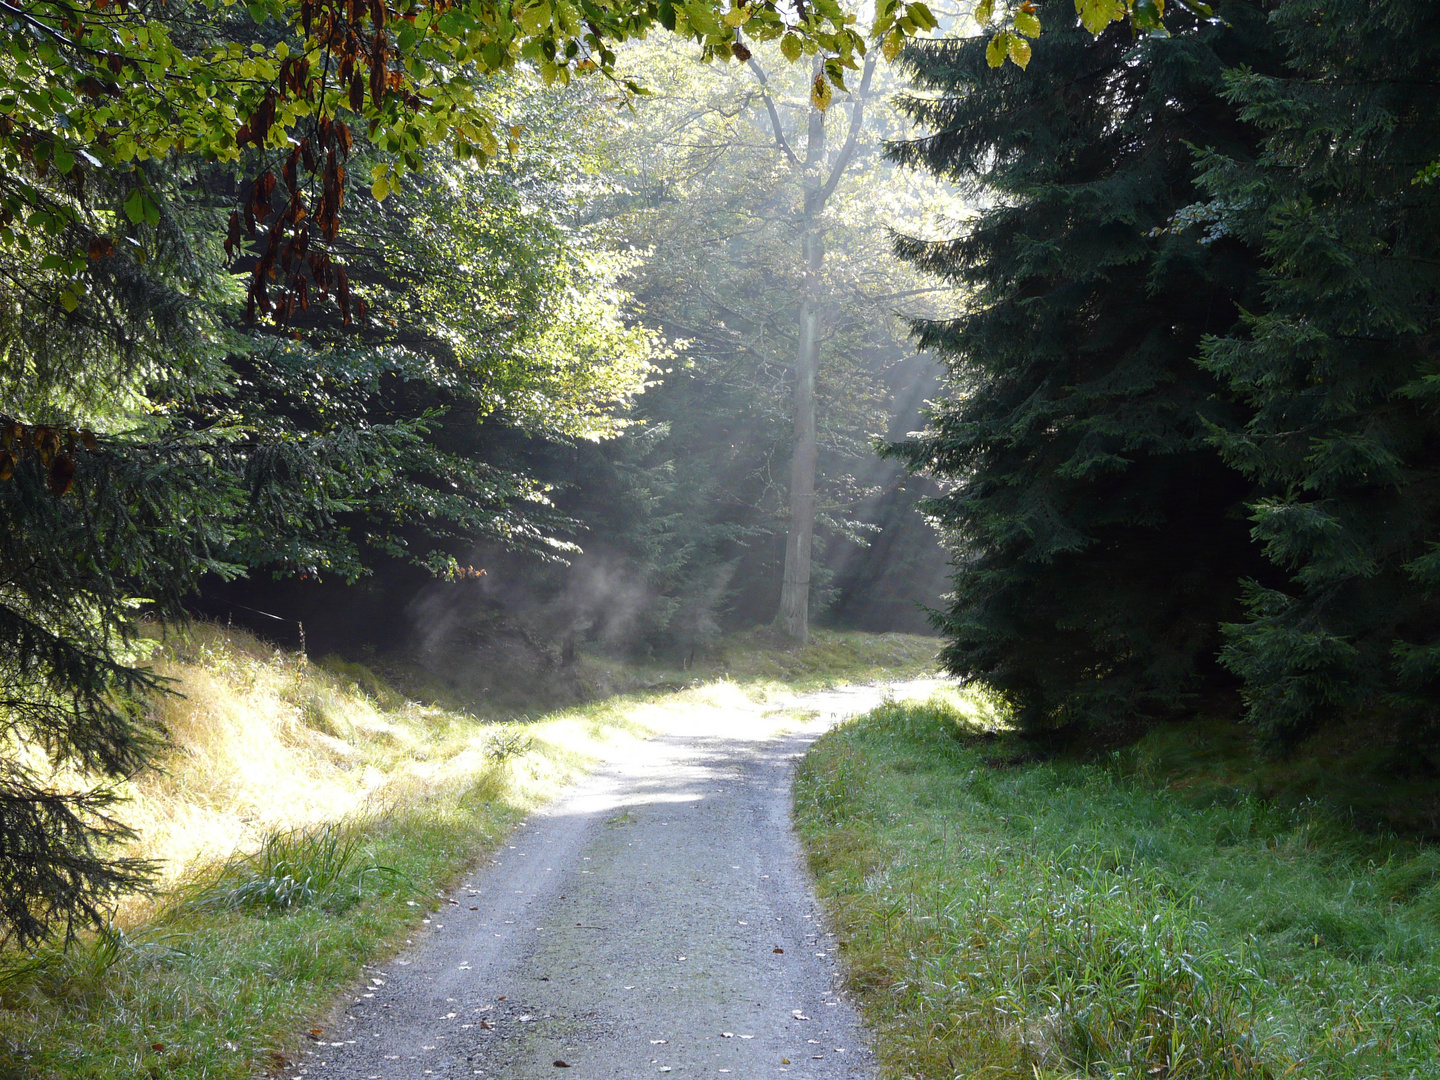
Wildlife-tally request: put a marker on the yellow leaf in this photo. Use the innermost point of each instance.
(1096, 15)
(1027, 24)
(380, 189)
(890, 47)
(1019, 51)
(984, 12)
(820, 93)
(995, 51)
(736, 16)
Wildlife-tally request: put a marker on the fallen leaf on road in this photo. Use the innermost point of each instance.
(484, 1024)
(561, 1064)
(777, 950)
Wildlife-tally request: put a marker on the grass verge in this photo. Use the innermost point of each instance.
(307, 818)
(1053, 920)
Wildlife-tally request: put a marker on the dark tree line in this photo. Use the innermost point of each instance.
(1191, 403)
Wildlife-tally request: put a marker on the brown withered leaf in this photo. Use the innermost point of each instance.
(292, 166)
(7, 465)
(232, 237)
(62, 474)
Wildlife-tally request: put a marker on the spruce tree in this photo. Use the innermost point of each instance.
(1340, 365)
(1097, 537)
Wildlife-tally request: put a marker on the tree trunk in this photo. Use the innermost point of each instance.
(794, 614)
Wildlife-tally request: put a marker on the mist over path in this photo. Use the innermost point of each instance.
(656, 919)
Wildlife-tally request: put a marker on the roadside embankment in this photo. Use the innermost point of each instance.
(1038, 920)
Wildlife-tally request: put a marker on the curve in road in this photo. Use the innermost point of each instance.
(655, 920)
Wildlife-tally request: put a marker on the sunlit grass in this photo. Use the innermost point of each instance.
(305, 818)
(1024, 920)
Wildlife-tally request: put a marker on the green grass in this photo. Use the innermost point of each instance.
(1012, 919)
(308, 818)
(222, 982)
(763, 660)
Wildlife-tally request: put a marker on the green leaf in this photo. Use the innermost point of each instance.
(1027, 24)
(1147, 15)
(790, 46)
(891, 46)
(380, 188)
(984, 12)
(921, 14)
(995, 51)
(68, 300)
(135, 206)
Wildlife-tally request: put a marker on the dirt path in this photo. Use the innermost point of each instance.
(656, 919)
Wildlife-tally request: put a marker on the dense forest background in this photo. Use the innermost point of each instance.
(670, 528)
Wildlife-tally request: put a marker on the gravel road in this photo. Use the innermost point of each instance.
(656, 919)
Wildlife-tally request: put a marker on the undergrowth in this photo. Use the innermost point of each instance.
(1044, 921)
(307, 817)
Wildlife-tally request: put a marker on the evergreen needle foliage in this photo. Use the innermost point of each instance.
(1339, 364)
(1098, 536)
(1192, 411)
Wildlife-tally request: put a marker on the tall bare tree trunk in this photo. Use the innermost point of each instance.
(793, 618)
(794, 614)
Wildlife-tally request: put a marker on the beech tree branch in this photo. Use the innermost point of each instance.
(780, 140)
(857, 117)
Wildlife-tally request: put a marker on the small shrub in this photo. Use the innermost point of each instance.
(508, 743)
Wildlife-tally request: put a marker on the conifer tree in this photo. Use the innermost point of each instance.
(1341, 367)
(1098, 538)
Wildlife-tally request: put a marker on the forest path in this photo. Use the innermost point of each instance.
(632, 928)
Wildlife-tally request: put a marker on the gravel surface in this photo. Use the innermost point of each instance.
(656, 919)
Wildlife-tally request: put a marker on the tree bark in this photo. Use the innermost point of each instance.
(794, 614)
(793, 617)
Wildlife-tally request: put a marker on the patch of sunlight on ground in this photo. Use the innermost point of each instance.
(265, 741)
